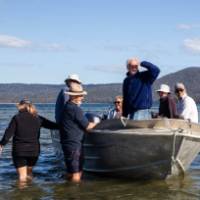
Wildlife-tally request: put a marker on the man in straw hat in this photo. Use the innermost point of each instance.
(137, 92)
(186, 106)
(62, 97)
(73, 125)
(167, 106)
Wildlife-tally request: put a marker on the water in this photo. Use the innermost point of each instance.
(49, 181)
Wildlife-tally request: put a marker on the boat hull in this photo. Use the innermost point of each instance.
(129, 155)
(139, 150)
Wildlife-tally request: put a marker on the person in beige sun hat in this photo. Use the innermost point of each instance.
(63, 97)
(73, 126)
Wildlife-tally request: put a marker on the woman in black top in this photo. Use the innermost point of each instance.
(167, 106)
(25, 130)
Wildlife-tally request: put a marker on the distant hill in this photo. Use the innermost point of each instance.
(45, 93)
(189, 76)
(97, 93)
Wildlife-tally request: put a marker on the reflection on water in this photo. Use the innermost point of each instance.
(49, 182)
(97, 188)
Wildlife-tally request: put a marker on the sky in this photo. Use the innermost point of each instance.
(43, 41)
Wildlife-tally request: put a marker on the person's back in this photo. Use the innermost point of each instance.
(27, 132)
(24, 129)
(72, 129)
(63, 97)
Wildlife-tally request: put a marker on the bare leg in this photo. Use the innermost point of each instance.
(30, 173)
(75, 177)
(22, 173)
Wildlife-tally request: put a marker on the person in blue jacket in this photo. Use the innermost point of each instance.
(74, 124)
(137, 91)
(63, 97)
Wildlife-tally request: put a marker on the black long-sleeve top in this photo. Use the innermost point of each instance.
(167, 107)
(25, 130)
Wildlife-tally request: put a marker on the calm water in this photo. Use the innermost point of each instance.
(49, 182)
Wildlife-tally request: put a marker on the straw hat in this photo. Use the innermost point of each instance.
(76, 89)
(164, 88)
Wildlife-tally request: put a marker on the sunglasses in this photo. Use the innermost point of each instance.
(135, 66)
(179, 90)
(117, 102)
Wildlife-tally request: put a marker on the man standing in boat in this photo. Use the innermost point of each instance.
(137, 91)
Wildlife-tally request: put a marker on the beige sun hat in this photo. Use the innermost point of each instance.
(164, 88)
(73, 77)
(76, 89)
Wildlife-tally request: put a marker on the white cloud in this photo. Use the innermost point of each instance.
(16, 64)
(54, 46)
(47, 47)
(7, 41)
(187, 26)
(192, 44)
(13, 42)
(184, 26)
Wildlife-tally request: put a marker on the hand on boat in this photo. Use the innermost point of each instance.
(1, 149)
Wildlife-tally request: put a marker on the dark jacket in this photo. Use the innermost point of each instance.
(167, 107)
(137, 93)
(62, 98)
(25, 130)
(73, 126)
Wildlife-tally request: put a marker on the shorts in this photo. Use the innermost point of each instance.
(73, 160)
(140, 115)
(22, 161)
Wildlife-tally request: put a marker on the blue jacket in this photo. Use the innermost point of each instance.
(60, 103)
(137, 91)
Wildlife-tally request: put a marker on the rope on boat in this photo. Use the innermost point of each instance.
(190, 126)
(175, 161)
(176, 132)
(124, 121)
(174, 146)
